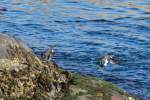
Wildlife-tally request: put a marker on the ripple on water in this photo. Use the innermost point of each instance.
(85, 30)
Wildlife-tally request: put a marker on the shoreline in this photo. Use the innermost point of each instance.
(37, 78)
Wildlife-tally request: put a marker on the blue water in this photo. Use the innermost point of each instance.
(83, 30)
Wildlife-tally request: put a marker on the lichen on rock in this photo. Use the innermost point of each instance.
(24, 75)
(14, 52)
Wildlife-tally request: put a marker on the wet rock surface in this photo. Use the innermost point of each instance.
(14, 52)
(24, 76)
(90, 88)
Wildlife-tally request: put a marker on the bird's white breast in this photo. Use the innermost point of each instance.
(106, 62)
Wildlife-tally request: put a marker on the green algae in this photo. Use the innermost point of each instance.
(92, 88)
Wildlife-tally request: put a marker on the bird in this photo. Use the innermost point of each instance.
(48, 54)
(106, 59)
(3, 9)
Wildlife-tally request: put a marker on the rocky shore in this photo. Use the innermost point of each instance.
(24, 76)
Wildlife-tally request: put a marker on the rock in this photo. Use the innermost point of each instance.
(90, 88)
(24, 76)
(84, 97)
(76, 90)
(14, 52)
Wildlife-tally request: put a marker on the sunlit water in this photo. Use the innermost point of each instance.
(83, 30)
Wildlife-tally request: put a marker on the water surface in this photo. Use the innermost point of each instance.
(82, 30)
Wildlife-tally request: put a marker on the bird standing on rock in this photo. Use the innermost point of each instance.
(49, 54)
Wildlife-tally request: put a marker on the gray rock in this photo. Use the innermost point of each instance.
(14, 52)
(8, 43)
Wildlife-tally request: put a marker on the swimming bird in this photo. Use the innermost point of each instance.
(3, 9)
(105, 60)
